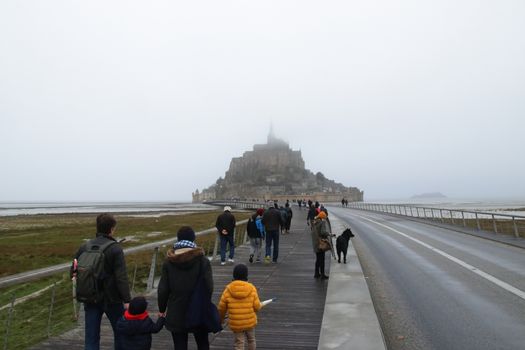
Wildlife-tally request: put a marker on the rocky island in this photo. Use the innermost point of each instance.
(273, 171)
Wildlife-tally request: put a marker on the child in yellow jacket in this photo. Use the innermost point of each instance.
(241, 301)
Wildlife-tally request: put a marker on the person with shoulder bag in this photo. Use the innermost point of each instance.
(321, 243)
(186, 282)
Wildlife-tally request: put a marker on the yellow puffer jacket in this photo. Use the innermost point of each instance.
(241, 301)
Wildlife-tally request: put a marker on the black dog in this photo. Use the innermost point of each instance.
(341, 244)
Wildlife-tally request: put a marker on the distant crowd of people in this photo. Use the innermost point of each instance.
(99, 271)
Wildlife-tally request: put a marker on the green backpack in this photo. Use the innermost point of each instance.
(90, 272)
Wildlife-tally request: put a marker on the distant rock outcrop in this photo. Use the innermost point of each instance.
(273, 171)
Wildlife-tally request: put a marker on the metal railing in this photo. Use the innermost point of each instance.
(486, 221)
(51, 304)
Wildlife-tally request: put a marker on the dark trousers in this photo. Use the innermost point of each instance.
(180, 340)
(227, 240)
(288, 224)
(319, 263)
(93, 313)
(272, 236)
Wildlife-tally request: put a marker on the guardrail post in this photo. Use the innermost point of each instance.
(441, 215)
(8, 321)
(51, 310)
(215, 246)
(494, 224)
(151, 277)
(477, 222)
(516, 233)
(134, 277)
(463, 217)
(451, 217)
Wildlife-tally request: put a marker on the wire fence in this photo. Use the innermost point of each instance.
(34, 311)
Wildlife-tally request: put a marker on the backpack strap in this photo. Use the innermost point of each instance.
(102, 247)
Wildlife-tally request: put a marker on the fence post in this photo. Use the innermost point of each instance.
(151, 277)
(246, 235)
(8, 321)
(494, 224)
(51, 310)
(441, 215)
(477, 222)
(516, 233)
(134, 277)
(463, 217)
(215, 246)
(451, 217)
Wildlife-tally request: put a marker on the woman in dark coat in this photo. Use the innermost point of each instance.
(184, 262)
(320, 229)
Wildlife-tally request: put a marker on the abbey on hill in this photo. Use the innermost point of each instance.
(273, 171)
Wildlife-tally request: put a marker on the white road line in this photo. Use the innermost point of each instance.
(460, 262)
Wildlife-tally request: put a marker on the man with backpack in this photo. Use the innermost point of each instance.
(102, 281)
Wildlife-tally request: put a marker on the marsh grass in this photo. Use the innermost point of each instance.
(52, 239)
(31, 242)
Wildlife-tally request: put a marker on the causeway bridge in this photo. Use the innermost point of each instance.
(411, 282)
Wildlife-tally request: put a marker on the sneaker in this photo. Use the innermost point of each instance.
(251, 258)
(274, 262)
(223, 262)
(267, 259)
(231, 260)
(258, 260)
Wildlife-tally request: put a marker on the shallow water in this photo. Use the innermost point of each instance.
(12, 209)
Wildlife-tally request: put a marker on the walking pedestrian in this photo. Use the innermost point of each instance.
(241, 301)
(184, 264)
(109, 294)
(136, 326)
(226, 226)
(289, 215)
(255, 230)
(272, 222)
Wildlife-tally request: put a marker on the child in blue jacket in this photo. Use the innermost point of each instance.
(136, 326)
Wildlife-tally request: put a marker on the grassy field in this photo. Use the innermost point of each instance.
(29, 242)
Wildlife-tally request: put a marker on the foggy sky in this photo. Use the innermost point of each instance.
(137, 100)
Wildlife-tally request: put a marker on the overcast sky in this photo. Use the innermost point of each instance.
(150, 100)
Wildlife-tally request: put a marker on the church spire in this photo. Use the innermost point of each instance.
(271, 135)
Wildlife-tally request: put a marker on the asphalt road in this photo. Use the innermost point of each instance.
(435, 288)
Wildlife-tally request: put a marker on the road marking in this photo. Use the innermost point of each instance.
(460, 262)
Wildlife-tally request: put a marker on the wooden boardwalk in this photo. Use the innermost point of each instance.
(292, 322)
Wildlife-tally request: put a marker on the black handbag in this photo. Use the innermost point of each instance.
(201, 312)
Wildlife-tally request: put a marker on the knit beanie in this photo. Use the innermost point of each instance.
(322, 215)
(260, 211)
(137, 305)
(240, 272)
(186, 233)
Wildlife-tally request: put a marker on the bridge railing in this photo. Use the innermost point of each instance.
(38, 304)
(479, 220)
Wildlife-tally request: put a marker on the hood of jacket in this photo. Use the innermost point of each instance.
(184, 256)
(240, 289)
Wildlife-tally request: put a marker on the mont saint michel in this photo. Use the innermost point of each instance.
(273, 171)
